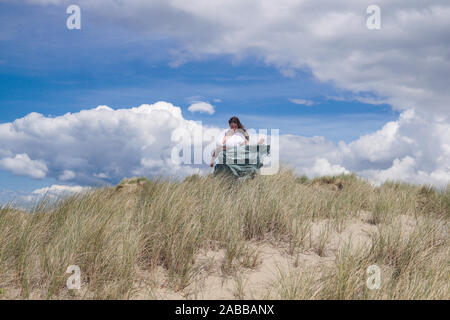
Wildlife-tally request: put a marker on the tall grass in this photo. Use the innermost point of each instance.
(112, 233)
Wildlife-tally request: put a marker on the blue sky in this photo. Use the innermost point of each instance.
(49, 69)
(46, 68)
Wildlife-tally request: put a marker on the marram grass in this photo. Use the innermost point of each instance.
(141, 225)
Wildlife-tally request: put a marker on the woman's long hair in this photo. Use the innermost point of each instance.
(236, 120)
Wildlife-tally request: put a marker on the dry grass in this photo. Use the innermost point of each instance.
(141, 228)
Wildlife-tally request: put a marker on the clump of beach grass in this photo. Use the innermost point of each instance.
(112, 233)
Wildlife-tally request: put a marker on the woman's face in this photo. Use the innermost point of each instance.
(233, 126)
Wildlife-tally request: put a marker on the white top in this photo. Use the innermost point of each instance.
(236, 139)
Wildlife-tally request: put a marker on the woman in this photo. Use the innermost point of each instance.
(236, 135)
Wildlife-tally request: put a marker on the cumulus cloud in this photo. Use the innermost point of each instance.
(97, 145)
(202, 107)
(105, 145)
(323, 168)
(51, 193)
(21, 164)
(308, 103)
(59, 190)
(24, 200)
(67, 175)
(405, 63)
(415, 148)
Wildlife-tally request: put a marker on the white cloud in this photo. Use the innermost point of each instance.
(301, 153)
(102, 144)
(59, 190)
(323, 168)
(405, 63)
(91, 146)
(21, 164)
(422, 137)
(202, 107)
(101, 175)
(51, 193)
(406, 170)
(21, 199)
(308, 103)
(67, 175)
(415, 148)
